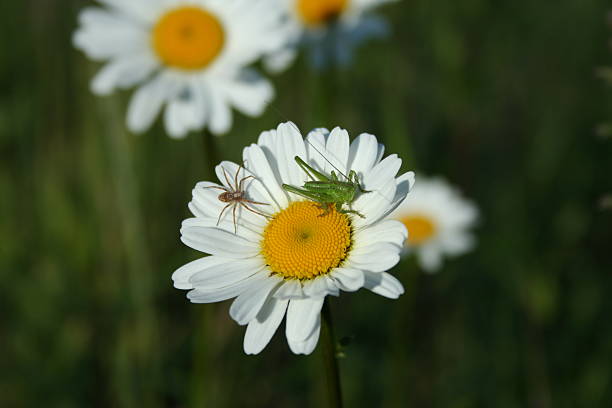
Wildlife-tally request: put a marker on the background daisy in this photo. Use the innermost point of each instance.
(189, 56)
(289, 261)
(439, 222)
(330, 30)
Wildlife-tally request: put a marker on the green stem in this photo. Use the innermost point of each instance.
(136, 361)
(334, 391)
(401, 330)
(202, 377)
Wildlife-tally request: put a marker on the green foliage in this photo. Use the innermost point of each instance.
(500, 97)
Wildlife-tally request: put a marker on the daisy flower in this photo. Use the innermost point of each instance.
(286, 261)
(439, 220)
(329, 29)
(189, 56)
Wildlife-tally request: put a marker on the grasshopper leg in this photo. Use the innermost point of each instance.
(353, 212)
(354, 178)
(304, 193)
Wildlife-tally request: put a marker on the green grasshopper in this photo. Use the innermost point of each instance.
(328, 190)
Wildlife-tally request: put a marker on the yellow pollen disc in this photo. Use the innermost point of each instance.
(188, 38)
(318, 12)
(302, 243)
(420, 228)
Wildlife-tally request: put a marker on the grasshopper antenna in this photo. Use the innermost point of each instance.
(283, 117)
(325, 158)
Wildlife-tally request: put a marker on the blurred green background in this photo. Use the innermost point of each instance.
(501, 97)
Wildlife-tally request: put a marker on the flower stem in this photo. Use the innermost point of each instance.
(136, 362)
(334, 391)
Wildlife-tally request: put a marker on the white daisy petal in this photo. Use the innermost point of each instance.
(337, 151)
(248, 231)
(315, 148)
(261, 329)
(204, 295)
(186, 111)
(404, 184)
(381, 153)
(382, 173)
(105, 35)
(220, 113)
(290, 145)
(290, 289)
(349, 279)
(279, 61)
(390, 231)
(137, 9)
(378, 257)
(183, 274)
(250, 93)
(246, 306)
(430, 258)
(456, 243)
(316, 287)
(303, 318)
(258, 164)
(226, 273)
(267, 141)
(307, 345)
(123, 73)
(332, 286)
(216, 241)
(363, 153)
(147, 102)
(375, 204)
(383, 284)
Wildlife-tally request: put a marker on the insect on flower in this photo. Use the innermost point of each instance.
(236, 196)
(283, 268)
(329, 190)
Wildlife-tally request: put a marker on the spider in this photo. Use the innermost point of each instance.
(235, 195)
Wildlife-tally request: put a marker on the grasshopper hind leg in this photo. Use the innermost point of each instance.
(326, 207)
(353, 212)
(349, 211)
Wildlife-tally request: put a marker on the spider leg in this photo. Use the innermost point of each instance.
(254, 202)
(229, 183)
(221, 213)
(236, 178)
(234, 215)
(242, 182)
(218, 188)
(252, 210)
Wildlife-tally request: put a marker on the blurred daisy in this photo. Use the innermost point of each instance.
(329, 29)
(438, 220)
(187, 55)
(288, 260)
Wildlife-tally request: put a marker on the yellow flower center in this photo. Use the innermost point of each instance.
(420, 228)
(188, 38)
(318, 12)
(302, 242)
